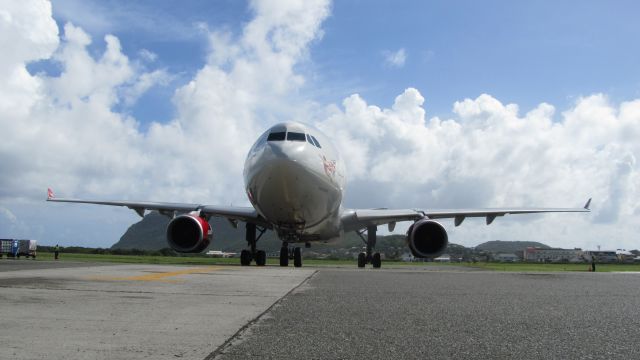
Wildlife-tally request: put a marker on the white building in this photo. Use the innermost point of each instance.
(601, 255)
(533, 254)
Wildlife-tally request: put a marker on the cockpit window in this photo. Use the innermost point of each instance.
(309, 140)
(276, 136)
(315, 141)
(295, 136)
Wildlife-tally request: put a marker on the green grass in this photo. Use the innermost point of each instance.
(201, 260)
(139, 259)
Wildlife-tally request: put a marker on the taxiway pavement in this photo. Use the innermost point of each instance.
(449, 313)
(64, 310)
(229, 312)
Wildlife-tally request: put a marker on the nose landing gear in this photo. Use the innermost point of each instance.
(290, 253)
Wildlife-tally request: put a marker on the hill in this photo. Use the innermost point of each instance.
(499, 246)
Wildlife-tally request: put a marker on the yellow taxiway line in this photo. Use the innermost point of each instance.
(160, 276)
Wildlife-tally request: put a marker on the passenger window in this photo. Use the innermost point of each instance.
(276, 136)
(294, 136)
(315, 141)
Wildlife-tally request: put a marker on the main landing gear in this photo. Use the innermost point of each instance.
(287, 253)
(258, 255)
(370, 242)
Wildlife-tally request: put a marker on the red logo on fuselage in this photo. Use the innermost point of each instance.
(329, 166)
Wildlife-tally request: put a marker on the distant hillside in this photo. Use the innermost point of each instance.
(499, 246)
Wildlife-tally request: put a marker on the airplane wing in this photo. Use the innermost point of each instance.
(235, 213)
(359, 219)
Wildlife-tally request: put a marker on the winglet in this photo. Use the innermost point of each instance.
(586, 206)
(50, 194)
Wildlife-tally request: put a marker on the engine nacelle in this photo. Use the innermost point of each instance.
(189, 233)
(427, 238)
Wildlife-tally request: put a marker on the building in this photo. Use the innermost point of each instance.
(604, 256)
(534, 254)
(443, 258)
(507, 257)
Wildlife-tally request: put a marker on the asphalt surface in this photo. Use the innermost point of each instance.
(417, 314)
(30, 264)
(61, 310)
(92, 311)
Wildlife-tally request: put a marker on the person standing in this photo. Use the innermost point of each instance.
(56, 251)
(593, 263)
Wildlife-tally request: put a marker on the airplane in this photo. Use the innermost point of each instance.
(295, 181)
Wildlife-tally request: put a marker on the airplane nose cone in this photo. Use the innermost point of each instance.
(286, 189)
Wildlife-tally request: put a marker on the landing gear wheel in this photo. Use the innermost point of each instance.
(297, 257)
(362, 259)
(245, 257)
(376, 261)
(284, 256)
(261, 258)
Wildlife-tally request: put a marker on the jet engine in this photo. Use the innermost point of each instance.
(189, 233)
(427, 238)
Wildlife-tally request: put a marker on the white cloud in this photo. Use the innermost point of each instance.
(147, 55)
(395, 58)
(143, 83)
(489, 155)
(62, 131)
(26, 34)
(100, 17)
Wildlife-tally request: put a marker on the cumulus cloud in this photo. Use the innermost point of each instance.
(143, 83)
(395, 58)
(491, 155)
(65, 131)
(26, 34)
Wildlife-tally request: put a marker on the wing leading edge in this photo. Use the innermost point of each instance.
(234, 213)
(359, 219)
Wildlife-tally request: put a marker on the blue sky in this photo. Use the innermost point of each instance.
(475, 103)
(521, 52)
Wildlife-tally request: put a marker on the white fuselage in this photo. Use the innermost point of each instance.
(294, 178)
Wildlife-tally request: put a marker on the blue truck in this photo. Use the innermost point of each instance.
(14, 248)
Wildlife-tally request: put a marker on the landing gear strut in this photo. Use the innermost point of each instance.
(287, 253)
(367, 257)
(258, 255)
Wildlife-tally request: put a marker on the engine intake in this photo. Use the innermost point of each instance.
(427, 238)
(188, 233)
